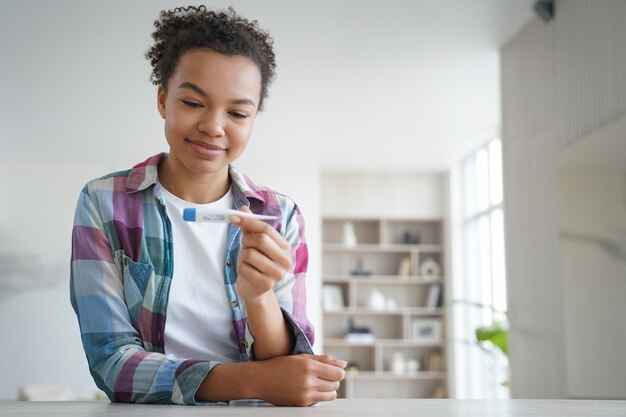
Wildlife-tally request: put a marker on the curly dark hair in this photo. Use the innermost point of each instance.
(186, 28)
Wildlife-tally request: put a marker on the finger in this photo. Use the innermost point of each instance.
(251, 274)
(250, 225)
(324, 396)
(330, 360)
(329, 372)
(260, 241)
(324, 385)
(267, 247)
(261, 263)
(238, 219)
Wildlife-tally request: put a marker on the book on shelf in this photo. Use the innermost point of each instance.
(434, 299)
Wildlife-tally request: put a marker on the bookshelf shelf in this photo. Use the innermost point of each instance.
(377, 286)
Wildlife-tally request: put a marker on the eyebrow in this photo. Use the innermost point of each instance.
(192, 86)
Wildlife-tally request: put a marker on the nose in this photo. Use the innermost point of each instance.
(212, 124)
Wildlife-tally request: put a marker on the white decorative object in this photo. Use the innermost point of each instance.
(391, 304)
(377, 300)
(412, 366)
(430, 269)
(398, 366)
(349, 235)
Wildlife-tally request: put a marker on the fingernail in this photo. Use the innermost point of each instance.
(234, 219)
(342, 363)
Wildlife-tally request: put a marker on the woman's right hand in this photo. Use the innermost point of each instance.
(298, 380)
(294, 380)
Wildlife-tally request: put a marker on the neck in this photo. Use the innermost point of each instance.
(192, 187)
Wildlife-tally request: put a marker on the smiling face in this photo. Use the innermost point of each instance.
(209, 109)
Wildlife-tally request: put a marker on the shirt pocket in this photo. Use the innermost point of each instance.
(136, 278)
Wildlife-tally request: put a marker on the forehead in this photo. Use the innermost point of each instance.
(218, 73)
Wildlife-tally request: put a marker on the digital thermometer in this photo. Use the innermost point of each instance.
(219, 215)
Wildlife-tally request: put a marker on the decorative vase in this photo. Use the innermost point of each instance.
(398, 365)
(349, 235)
(377, 300)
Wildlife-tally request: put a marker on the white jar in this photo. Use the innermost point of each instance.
(349, 235)
(377, 300)
(398, 366)
(412, 366)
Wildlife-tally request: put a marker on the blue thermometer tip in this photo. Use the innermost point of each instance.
(189, 214)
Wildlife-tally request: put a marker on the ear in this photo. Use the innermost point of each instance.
(161, 96)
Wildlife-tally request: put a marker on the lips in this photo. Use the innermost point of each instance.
(206, 145)
(204, 149)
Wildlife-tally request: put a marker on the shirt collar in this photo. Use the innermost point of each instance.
(144, 175)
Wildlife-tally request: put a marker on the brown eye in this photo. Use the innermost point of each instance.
(191, 104)
(238, 115)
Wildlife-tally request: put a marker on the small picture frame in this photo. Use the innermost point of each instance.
(426, 330)
(332, 296)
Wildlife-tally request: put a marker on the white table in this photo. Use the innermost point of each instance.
(365, 408)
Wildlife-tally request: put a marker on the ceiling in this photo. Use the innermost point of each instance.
(362, 85)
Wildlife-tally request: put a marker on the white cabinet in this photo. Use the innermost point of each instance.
(382, 301)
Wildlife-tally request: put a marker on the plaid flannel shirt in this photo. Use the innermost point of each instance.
(121, 272)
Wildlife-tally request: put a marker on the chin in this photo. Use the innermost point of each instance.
(205, 166)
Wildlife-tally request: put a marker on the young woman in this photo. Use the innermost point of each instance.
(173, 311)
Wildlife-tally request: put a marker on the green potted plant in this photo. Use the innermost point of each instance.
(497, 333)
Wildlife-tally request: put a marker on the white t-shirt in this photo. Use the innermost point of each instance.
(199, 320)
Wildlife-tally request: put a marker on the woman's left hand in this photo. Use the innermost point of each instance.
(264, 257)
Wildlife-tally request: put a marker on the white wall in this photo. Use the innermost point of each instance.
(560, 81)
(592, 217)
(380, 77)
(38, 328)
(392, 195)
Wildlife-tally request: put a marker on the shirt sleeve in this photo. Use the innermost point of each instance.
(118, 361)
(291, 290)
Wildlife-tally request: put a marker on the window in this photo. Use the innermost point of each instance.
(479, 290)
